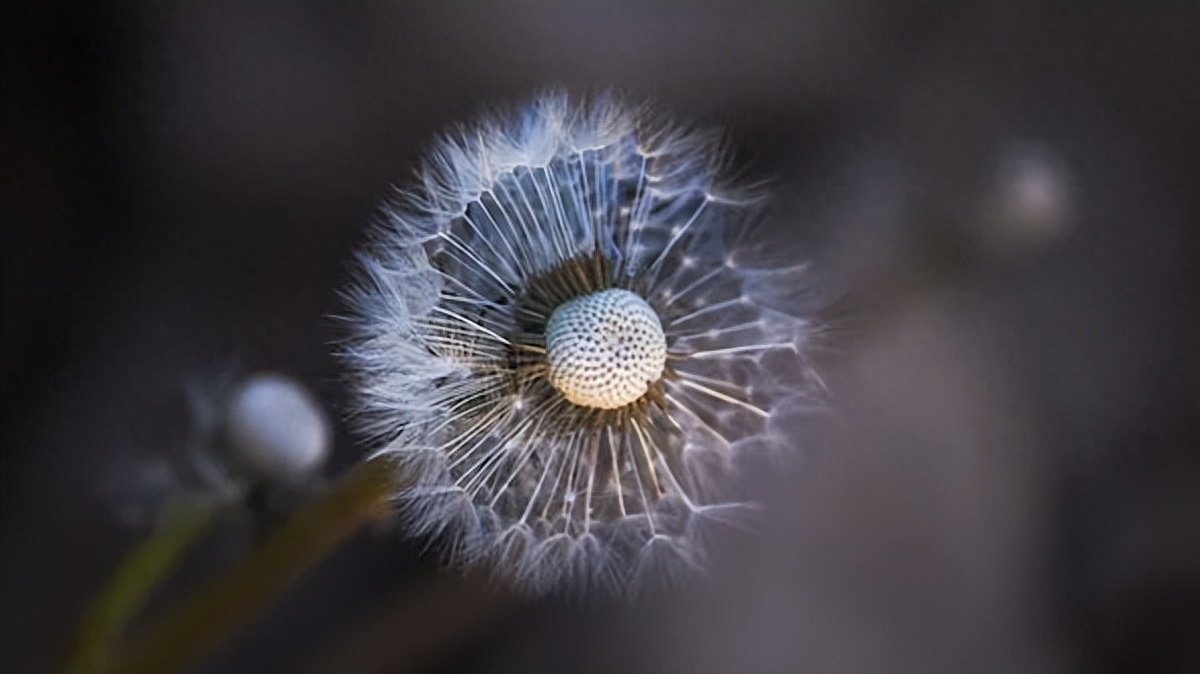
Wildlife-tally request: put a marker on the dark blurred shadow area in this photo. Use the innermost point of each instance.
(1008, 478)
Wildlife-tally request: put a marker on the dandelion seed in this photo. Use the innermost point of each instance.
(563, 339)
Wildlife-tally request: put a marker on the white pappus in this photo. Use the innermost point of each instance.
(562, 337)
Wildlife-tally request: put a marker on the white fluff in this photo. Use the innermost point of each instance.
(276, 427)
(449, 348)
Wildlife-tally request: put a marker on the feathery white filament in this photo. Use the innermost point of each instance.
(604, 350)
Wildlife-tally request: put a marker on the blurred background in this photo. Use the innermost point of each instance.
(1005, 194)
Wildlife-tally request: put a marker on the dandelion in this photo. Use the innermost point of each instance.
(567, 340)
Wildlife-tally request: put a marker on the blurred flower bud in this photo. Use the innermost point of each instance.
(1029, 205)
(275, 427)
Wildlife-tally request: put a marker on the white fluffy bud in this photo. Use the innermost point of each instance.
(276, 427)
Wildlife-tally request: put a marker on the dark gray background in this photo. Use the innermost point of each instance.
(1009, 478)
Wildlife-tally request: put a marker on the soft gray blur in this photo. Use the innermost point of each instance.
(1003, 196)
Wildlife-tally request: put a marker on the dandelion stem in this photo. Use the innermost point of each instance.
(140, 571)
(228, 603)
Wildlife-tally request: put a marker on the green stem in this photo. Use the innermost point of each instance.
(221, 609)
(139, 572)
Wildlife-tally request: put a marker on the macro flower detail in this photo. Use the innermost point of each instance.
(604, 350)
(568, 335)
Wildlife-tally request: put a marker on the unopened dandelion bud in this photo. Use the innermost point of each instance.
(276, 428)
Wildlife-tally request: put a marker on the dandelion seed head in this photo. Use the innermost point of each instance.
(564, 338)
(604, 350)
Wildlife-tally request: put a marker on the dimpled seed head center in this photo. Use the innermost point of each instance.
(604, 350)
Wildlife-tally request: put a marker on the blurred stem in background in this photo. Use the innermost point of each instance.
(218, 611)
(141, 570)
